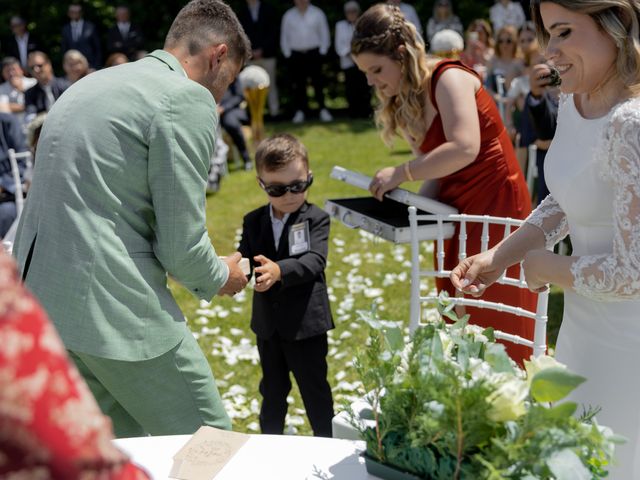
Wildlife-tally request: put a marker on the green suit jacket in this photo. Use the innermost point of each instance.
(117, 202)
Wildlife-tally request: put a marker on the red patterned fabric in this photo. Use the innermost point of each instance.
(50, 424)
(492, 184)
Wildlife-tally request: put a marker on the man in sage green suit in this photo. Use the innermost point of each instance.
(117, 203)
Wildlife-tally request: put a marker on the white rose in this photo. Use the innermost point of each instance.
(537, 364)
(507, 402)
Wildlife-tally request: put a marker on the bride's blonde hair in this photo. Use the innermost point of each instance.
(381, 30)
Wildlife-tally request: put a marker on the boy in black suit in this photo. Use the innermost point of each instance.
(287, 243)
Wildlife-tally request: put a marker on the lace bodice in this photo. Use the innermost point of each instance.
(613, 274)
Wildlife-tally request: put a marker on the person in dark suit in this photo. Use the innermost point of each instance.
(42, 96)
(232, 117)
(82, 35)
(286, 242)
(262, 25)
(21, 43)
(124, 37)
(542, 106)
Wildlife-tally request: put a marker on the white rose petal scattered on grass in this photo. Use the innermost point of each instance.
(253, 426)
(340, 375)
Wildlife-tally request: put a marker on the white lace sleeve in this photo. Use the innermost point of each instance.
(616, 275)
(549, 218)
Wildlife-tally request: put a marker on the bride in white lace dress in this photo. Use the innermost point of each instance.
(593, 173)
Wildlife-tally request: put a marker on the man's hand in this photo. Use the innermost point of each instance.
(237, 279)
(269, 273)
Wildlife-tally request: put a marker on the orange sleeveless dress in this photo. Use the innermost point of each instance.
(492, 184)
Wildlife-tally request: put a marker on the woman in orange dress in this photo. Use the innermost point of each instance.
(463, 152)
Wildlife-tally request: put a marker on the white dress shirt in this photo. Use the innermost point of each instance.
(254, 10)
(124, 28)
(304, 31)
(277, 225)
(344, 33)
(512, 14)
(76, 29)
(23, 45)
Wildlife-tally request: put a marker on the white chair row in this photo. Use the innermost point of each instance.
(14, 159)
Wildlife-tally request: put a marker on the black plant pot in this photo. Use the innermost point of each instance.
(386, 472)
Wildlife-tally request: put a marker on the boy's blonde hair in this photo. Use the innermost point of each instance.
(276, 152)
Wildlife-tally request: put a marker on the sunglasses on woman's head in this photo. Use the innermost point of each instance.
(278, 190)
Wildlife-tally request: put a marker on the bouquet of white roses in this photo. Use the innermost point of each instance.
(450, 404)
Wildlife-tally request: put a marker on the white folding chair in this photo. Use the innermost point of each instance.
(539, 343)
(14, 158)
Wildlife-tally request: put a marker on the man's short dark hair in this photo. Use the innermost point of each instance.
(203, 22)
(278, 151)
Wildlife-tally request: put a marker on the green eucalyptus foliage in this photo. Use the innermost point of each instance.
(441, 408)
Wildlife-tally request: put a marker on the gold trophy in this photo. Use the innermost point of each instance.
(255, 84)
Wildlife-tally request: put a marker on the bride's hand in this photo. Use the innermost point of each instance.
(384, 180)
(474, 274)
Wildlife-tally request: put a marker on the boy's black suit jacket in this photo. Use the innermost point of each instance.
(296, 307)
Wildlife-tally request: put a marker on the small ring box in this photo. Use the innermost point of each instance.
(244, 264)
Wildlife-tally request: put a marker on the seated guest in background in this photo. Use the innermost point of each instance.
(50, 424)
(75, 65)
(232, 117)
(21, 42)
(478, 46)
(409, 13)
(443, 19)
(305, 41)
(42, 96)
(14, 86)
(124, 37)
(11, 136)
(80, 34)
(358, 93)
(286, 242)
(116, 59)
(261, 25)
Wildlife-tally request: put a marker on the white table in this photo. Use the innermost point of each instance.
(264, 457)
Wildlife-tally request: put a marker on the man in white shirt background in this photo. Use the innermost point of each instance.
(305, 41)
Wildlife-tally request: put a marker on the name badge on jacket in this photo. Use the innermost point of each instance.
(299, 241)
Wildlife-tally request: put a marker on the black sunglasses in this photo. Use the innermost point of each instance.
(277, 190)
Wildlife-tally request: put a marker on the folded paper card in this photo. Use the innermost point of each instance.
(206, 453)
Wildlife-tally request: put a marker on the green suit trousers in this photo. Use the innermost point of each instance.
(172, 394)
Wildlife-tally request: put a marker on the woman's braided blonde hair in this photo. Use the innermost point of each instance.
(381, 30)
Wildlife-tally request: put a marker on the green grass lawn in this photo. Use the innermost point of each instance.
(361, 271)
